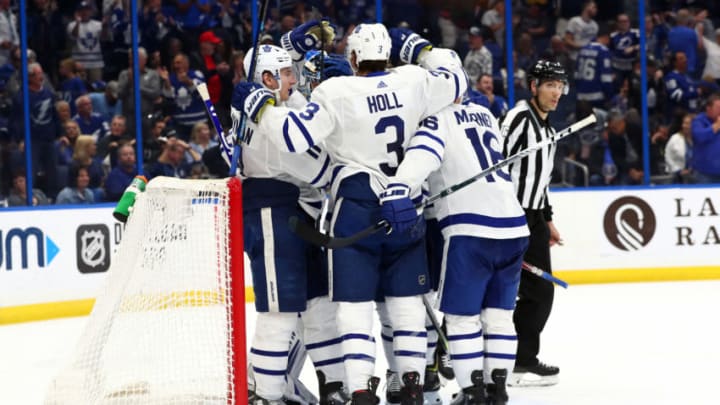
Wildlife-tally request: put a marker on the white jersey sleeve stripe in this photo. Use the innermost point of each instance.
(425, 148)
(454, 76)
(322, 172)
(431, 136)
(302, 129)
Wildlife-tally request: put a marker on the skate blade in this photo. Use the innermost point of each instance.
(531, 380)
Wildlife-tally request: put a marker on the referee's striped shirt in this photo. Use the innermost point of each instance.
(522, 127)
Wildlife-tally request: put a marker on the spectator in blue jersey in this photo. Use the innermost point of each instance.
(44, 127)
(683, 38)
(91, 123)
(106, 102)
(625, 47)
(179, 87)
(77, 192)
(120, 38)
(680, 88)
(121, 175)
(706, 142)
(66, 143)
(71, 86)
(497, 104)
(153, 24)
(171, 162)
(593, 73)
(191, 16)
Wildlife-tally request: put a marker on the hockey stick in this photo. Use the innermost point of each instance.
(205, 96)
(544, 274)
(240, 136)
(436, 324)
(311, 234)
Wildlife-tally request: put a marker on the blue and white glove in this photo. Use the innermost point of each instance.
(406, 46)
(252, 98)
(397, 208)
(307, 37)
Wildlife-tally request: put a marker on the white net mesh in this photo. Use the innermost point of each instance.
(159, 332)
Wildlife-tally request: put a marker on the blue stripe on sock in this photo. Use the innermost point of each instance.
(268, 353)
(259, 370)
(325, 343)
(408, 353)
(328, 362)
(409, 333)
(464, 337)
(466, 356)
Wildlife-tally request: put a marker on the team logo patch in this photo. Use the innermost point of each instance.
(629, 223)
(93, 248)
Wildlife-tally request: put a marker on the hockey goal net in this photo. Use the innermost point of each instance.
(169, 327)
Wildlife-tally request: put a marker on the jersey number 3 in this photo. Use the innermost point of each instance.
(396, 147)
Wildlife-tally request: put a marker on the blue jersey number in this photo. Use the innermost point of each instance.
(396, 146)
(481, 149)
(310, 110)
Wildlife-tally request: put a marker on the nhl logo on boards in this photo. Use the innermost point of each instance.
(93, 248)
(629, 223)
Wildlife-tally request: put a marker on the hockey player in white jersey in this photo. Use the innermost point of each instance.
(485, 236)
(288, 274)
(365, 122)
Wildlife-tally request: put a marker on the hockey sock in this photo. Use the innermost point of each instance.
(464, 334)
(386, 333)
(322, 339)
(407, 317)
(500, 339)
(269, 352)
(355, 321)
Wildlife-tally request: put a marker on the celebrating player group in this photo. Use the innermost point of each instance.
(369, 135)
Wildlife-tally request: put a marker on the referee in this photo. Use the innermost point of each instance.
(524, 126)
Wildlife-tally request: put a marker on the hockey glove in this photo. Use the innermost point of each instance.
(252, 98)
(406, 46)
(397, 208)
(307, 37)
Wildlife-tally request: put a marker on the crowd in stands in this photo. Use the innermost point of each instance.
(82, 111)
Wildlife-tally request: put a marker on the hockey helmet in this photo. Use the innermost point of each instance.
(369, 42)
(270, 59)
(544, 70)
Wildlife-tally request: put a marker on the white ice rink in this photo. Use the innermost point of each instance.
(645, 343)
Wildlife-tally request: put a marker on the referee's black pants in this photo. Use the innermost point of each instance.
(535, 296)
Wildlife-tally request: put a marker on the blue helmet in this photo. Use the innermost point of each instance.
(319, 67)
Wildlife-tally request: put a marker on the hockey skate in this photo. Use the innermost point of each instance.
(473, 395)
(392, 387)
(539, 375)
(412, 391)
(367, 396)
(331, 393)
(431, 388)
(496, 392)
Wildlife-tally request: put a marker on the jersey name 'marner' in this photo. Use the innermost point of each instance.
(481, 118)
(383, 102)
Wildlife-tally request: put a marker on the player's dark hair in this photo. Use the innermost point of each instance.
(372, 66)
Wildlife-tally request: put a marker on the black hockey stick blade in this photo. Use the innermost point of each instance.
(308, 233)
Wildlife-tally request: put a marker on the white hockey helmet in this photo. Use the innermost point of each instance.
(369, 42)
(270, 59)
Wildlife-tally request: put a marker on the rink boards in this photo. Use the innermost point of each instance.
(53, 261)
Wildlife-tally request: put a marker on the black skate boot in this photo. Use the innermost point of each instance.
(412, 391)
(473, 395)
(539, 375)
(367, 396)
(496, 392)
(431, 388)
(331, 393)
(392, 387)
